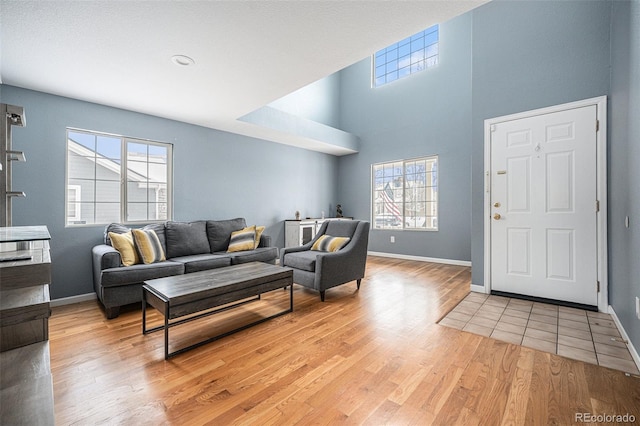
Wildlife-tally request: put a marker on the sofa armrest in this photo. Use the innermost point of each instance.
(105, 257)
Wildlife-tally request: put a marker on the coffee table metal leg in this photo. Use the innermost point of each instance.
(144, 312)
(291, 299)
(166, 331)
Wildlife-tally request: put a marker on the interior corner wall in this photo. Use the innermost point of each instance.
(624, 157)
(216, 175)
(529, 55)
(427, 113)
(318, 101)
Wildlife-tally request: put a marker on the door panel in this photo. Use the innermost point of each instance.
(543, 204)
(560, 183)
(519, 251)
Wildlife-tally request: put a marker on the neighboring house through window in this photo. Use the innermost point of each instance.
(406, 57)
(116, 179)
(74, 197)
(405, 194)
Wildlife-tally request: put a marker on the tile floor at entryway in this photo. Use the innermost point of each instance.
(573, 333)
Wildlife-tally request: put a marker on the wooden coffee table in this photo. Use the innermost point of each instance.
(200, 292)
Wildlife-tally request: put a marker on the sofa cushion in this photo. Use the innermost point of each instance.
(242, 240)
(341, 228)
(305, 260)
(125, 245)
(125, 275)
(115, 228)
(261, 254)
(219, 232)
(186, 238)
(202, 262)
(148, 245)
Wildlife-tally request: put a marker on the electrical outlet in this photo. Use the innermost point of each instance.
(392, 239)
(638, 307)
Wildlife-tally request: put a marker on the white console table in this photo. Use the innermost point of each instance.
(300, 232)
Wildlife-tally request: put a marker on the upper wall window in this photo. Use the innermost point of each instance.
(116, 179)
(413, 54)
(405, 194)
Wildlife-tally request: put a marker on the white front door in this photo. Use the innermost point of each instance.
(544, 206)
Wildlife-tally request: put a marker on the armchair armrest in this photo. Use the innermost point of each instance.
(338, 267)
(288, 250)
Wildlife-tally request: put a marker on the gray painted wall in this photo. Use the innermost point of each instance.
(624, 156)
(217, 175)
(529, 55)
(428, 113)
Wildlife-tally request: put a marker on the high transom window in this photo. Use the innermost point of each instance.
(413, 54)
(405, 194)
(114, 178)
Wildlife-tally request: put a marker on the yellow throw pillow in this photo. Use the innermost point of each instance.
(244, 239)
(125, 245)
(148, 245)
(259, 231)
(329, 243)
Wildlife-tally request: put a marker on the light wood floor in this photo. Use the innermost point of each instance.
(374, 356)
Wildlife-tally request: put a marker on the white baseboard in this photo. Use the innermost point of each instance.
(73, 299)
(625, 336)
(420, 258)
(478, 288)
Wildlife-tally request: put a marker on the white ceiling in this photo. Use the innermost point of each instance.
(247, 53)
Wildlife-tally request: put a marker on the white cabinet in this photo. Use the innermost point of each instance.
(300, 232)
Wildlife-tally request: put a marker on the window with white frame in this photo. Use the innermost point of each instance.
(114, 178)
(405, 194)
(406, 57)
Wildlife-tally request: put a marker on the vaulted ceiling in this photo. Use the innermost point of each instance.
(246, 53)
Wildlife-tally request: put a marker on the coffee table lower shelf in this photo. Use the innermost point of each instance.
(177, 297)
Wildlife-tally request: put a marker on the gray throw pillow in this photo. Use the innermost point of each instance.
(219, 232)
(186, 238)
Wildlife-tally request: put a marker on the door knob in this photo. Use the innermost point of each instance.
(497, 216)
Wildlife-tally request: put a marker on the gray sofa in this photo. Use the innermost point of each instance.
(188, 247)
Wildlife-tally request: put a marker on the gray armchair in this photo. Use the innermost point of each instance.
(320, 270)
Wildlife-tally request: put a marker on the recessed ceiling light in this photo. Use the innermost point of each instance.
(182, 60)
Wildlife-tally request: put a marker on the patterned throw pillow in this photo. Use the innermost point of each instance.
(244, 239)
(329, 243)
(125, 245)
(148, 245)
(259, 231)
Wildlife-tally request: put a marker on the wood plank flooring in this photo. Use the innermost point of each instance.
(374, 356)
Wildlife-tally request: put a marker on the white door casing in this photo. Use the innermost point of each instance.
(543, 231)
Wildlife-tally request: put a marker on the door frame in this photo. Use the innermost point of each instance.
(601, 188)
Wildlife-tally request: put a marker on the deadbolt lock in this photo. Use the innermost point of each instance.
(497, 216)
(496, 204)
